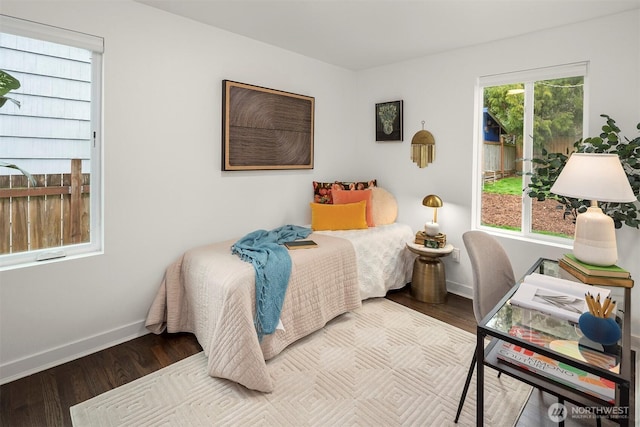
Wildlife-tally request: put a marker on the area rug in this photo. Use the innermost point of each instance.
(381, 365)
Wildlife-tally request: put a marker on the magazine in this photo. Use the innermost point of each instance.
(569, 348)
(557, 371)
(556, 297)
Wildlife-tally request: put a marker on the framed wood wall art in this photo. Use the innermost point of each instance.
(389, 121)
(265, 128)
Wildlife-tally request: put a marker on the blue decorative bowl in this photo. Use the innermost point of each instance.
(603, 331)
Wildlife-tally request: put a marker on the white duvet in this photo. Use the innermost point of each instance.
(384, 263)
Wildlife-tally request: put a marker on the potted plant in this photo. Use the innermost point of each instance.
(548, 167)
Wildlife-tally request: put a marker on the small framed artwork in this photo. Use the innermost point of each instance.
(389, 121)
(265, 128)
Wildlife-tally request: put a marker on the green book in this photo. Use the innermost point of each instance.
(596, 270)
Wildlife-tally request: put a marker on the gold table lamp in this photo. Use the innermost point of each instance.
(432, 201)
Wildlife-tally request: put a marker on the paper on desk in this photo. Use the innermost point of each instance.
(556, 297)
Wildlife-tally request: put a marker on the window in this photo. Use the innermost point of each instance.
(520, 116)
(53, 131)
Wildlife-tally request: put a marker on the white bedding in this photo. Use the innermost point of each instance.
(384, 263)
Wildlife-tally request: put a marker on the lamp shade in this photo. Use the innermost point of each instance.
(594, 176)
(432, 201)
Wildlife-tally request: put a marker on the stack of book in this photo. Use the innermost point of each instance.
(437, 241)
(596, 275)
(557, 371)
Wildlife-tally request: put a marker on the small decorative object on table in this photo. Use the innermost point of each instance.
(437, 241)
(597, 325)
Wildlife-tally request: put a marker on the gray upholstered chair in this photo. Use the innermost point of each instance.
(492, 278)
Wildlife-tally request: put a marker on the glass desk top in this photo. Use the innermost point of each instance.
(556, 337)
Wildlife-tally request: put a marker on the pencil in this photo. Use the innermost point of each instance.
(587, 298)
(607, 301)
(610, 309)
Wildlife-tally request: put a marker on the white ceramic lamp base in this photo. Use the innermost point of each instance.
(595, 238)
(431, 228)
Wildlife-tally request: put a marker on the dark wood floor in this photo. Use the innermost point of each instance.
(44, 399)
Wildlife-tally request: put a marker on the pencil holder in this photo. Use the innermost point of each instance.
(604, 331)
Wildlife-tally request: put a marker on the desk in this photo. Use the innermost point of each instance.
(504, 316)
(428, 282)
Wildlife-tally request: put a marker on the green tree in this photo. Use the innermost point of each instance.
(508, 109)
(558, 109)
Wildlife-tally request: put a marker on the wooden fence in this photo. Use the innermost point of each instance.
(499, 160)
(52, 213)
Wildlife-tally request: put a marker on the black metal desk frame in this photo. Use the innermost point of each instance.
(486, 355)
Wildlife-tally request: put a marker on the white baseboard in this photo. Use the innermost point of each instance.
(460, 289)
(16, 369)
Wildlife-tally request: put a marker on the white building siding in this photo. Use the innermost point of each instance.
(53, 124)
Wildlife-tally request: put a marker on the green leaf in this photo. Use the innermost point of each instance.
(7, 83)
(4, 99)
(24, 172)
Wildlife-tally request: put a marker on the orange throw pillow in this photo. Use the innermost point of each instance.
(347, 216)
(341, 197)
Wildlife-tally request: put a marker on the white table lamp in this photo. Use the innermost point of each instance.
(595, 177)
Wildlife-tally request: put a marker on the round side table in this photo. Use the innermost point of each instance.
(428, 282)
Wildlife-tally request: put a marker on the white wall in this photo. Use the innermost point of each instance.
(164, 190)
(439, 89)
(165, 193)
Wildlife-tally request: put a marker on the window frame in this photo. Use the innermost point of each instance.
(528, 78)
(95, 44)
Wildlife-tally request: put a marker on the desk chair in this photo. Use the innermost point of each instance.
(492, 278)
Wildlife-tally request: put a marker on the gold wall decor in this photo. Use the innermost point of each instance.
(423, 148)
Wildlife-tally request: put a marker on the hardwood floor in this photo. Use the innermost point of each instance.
(44, 399)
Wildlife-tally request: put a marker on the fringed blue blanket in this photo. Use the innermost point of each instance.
(272, 263)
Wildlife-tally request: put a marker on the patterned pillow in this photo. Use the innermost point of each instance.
(322, 190)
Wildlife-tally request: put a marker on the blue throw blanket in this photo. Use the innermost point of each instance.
(272, 263)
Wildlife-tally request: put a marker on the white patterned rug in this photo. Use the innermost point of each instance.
(381, 365)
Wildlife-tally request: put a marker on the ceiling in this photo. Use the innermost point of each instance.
(361, 34)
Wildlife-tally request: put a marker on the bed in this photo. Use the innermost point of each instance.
(210, 292)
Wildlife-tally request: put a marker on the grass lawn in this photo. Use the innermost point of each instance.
(510, 185)
(496, 209)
